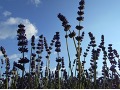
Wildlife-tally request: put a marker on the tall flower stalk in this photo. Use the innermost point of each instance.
(66, 29)
(7, 66)
(22, 43)
(78, 38)
(39, 52)
(58, 59)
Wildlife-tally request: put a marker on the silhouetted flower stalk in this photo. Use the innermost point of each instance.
(68, 53)
(32, 48)
(32, 60)
(39, 52)
(63, 66)
(95, 55)
(7, 66)
(113, 53)
(111, 59)
(22, 43)
(71, 35)
(49, 49)
(117, 74)
(48, 59)
(85, 55)
(38, 60)
(33, 71)
(66, 29)
(78, 38)
(58, 59)
(95, 67)
(104, 68)
(117, 56)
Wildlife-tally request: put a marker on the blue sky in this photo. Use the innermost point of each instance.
(40, 17)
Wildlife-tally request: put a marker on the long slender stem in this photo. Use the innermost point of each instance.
(105, 75)
(23, 70)
(95, 69)
(23, 66)
(47, 73)
(58, 77)
(74, 43)
(6, 75)
(75, 68)
(79, 64)
(68, 54)
(95, 74)
(58, 72)
(30, 68)
(38, 70)
(48, 69)
(30, 62)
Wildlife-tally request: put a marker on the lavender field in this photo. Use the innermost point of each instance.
(30, 72)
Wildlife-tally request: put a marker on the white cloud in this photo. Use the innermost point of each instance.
(36, 2)
(6, 13)
(9, 27)
(14, 57)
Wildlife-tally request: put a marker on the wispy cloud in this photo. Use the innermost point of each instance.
(6, 13)
(9, 27)
(14, 57)
(36, 2)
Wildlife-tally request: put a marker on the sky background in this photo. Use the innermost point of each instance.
(40, 17)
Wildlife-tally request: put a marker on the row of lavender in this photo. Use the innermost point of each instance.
(83, 78)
